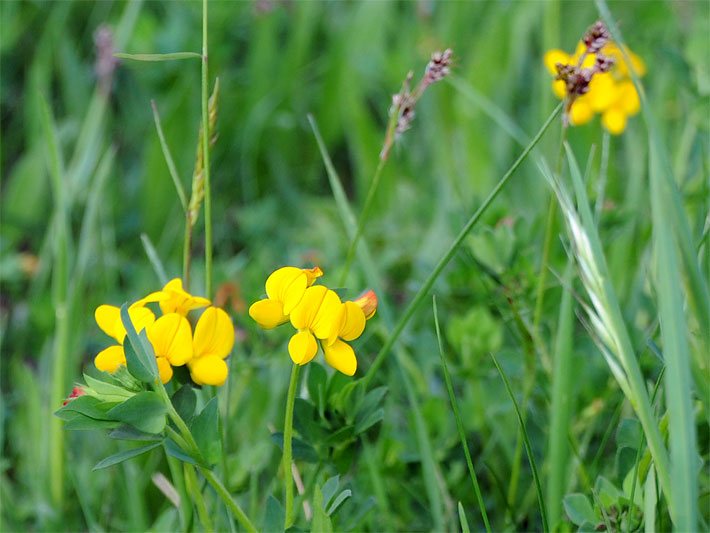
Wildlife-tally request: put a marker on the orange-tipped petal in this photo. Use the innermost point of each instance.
(312, 274)
(341, 356)
(110, 359)
(214, 334)
(367, 301)
(302, 347)
(171, 337)
(210, 370)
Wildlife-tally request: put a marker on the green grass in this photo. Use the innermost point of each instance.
(89, 214)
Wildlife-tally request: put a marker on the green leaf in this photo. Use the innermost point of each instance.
(301, 450)
(87, 406)
(107, 391)
(140, 358)
(463, 520)
(205, 429)
(329, 488)
(144, 411)
(607, 493)
(578, 509)
(174, 450)
(316, 384)
(363, 424)
(80, 422)
(274, 515)
(321, 521)
(124, 455)
(185, 400)
(339, 499)
(628, 435)
(131, 433)
(173, 56)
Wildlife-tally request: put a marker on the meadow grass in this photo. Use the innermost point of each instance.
(561, 379)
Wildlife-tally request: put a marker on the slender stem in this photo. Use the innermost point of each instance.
(429, 282)
(459, 423)
(196, 493)
(223, 493)
(288, 452)
(186, 255)
(547, 243)
(603, 171)
(206, 156)
(374, 184)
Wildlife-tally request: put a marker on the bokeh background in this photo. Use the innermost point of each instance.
(278, 61)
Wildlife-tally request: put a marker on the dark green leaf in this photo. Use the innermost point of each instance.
(305, 422)
(578, 509)
(144, 411)
(301, 450)
(316, 384)
(185, 401)
(174, 450)
(87, 406)
(140, 358)
(363, 424)
(343, 435)
(125, 455)
(205, 429)
(629, 433)
(274, 515)
(80, 422)
(131, 433)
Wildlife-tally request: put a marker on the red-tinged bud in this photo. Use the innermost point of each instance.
(75, 393)
(367, 301)
(312, 274)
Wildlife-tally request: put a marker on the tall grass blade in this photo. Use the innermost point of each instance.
(459, 426)
(528, 447)
(154, 259)
(173, 56)
(169, 158)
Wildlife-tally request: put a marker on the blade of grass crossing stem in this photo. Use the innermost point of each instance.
(697, 291)
(169, 158)
(173, 56)
(206, 155)
(60, 300)
(154, 259)
(684, 453)
(429, 466)
(607, 302)
(528, 447)
(453, 248)
(560, 406)
(459, 425)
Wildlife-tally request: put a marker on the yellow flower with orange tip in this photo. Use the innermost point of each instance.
(108, 318)
(284, 289)
(212, 343)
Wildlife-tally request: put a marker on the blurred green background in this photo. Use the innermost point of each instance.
(278, 61)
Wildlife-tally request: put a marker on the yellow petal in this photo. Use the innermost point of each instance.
(164, 369)
(268, 313)
(341, 356)
(581, 111)
(628, 98)
(108, 317)
(287, 285)
(157, 296)
(622, 68)
(328, 316)
(210, 370)
(559, 87)
(302, 347)
(179, 300)
(552, 57)
(602, 92)
(614, 120)
(171, 337)
(214, 334)
(354, 323)
(304, 314)
(110, 359)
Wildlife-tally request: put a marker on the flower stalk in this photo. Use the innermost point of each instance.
(288, 450)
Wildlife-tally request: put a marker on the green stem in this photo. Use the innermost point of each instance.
(186, 256)
(206, 157)
(196, 494)
(429, 282)
(223, 493)
(374, 184)
(547, 243)
(288, 452)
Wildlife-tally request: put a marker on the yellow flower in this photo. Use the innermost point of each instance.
(212, 343)
(171, 338)
(284, 289)
(174, 299)
(108, 317)
(625, 104)
(313, 317)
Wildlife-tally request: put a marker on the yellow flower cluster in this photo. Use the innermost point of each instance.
(611, 94)
(318, 315)
(171, 335)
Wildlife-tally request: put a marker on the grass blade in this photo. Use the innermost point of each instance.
(459, 427)
(154, 259)
(169, 158)
(528, 447)
(173, 56)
